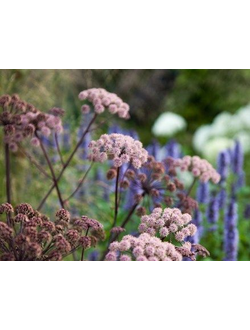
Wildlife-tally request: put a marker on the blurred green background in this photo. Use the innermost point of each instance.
(197, 95)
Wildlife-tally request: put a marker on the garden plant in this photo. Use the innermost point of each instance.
(140, 203)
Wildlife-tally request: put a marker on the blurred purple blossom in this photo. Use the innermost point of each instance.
(223, 162)
(202, 194)
(213, 213)
(231, 235)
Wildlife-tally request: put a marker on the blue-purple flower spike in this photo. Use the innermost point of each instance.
(213, 212)
(154, 149)
(173, 149)
(202, 194)
(223, 162)
(231, 235)
(222, 197)
(238, 158)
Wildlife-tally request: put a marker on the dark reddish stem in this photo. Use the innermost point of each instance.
(7, 171)
(83, 250)
(116, 196)
(124, 223)
(52, 172)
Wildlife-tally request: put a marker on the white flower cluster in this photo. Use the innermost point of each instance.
(168, 124)
(209, 140)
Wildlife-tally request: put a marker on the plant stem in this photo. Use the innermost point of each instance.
(68, 161)
(82, 256)
(7, 171)
(126, 220)
(191, 187)
(38, 166)
(58, 149)
(79, 184)
(52, 172)
(116, 196)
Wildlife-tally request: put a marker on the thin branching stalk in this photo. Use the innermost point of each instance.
(34, 162)
(58, 149)
(191, 187)
(116, 196)
(52, 172)
(66, 164)
(7, 171)
(83, 250)
(79, 184)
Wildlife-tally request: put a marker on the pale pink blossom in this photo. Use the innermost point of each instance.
(120, 148)
(111, 256)
(125, 257)
(102, 99)
(200, 168)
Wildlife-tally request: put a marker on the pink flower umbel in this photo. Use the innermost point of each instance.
(143, 248)
(200, 168)
(101, 100)
(21, 121)
(120, 148)
(167, 223)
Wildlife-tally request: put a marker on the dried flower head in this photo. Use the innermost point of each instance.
(30, 235)
(6, 208)
(63, 214)
(22, 120)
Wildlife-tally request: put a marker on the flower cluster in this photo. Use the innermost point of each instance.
(166, 222)
(200, 168)
(148, 248)
(29, 235)
(120, 148)
(101, 100)
(231, 234)
(154, 180)
(142, 248)
(117, 230)
(22, 120)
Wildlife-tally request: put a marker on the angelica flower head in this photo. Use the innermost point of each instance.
(21, 121)
(101, 100)
(120, 148)
(142, 248)
(200, 168)
(169, 220)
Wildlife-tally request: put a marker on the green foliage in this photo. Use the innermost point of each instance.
(199, 95)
